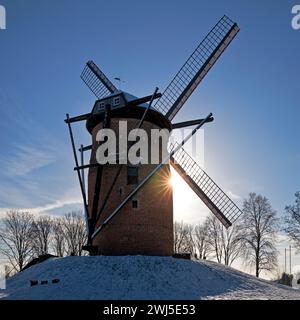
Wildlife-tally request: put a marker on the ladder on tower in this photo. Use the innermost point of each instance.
(206, 189)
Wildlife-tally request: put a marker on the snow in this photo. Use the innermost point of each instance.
(139, 277)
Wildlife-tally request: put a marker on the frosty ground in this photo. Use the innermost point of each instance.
(139, 277)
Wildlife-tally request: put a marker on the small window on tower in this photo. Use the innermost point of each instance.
(132, 175)
(116, 101)
(100, 106)
(135, 204)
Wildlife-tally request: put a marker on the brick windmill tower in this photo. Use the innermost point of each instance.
(129, 207)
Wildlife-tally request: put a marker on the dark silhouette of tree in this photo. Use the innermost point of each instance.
(292, 221)
(24, 236)
(259, 226)
(201, 240)
(214, 233)
(224, 244)
(16, 238)
(42, 229)
(58, 238)
(232, 243)
(74, 231)
(183, 238)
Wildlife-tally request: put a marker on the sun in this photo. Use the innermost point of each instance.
(175, 181)
(171, 181)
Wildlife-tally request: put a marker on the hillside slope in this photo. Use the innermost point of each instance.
(139, 277)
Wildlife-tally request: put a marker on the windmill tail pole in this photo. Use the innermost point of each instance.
(78, 173)
(132, 193)
(83, 184)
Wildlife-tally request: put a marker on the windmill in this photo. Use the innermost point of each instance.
(129, 209)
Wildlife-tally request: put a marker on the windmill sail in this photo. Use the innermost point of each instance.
(196, 67)
(206, 189)
(97, 81)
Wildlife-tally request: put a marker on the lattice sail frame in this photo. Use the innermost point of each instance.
(97, 81)
(196, 67)
(226, 210)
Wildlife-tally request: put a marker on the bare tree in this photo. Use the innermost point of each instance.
(201, 243)
(224, 244)
(259, 233)
(74, 231)
(58, 238)
(16, 235)
(42, 228)
(189, 241)
(183, 237)
(292, 221)
(232, 243)
(214, 236)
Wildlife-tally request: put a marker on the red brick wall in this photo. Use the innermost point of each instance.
(146, 230)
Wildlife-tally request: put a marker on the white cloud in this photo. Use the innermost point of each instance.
(26, 159)
(54, 205)
(233, 196)
(44, 209)
(282, 238)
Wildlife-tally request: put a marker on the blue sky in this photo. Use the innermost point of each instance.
(253, 91)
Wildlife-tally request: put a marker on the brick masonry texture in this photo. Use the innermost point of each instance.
(147, 230)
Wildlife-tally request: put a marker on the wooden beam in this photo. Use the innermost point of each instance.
(144, 99)
(189, 123)
(78, 118)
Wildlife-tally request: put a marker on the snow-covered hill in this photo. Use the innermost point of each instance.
(139, 277)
